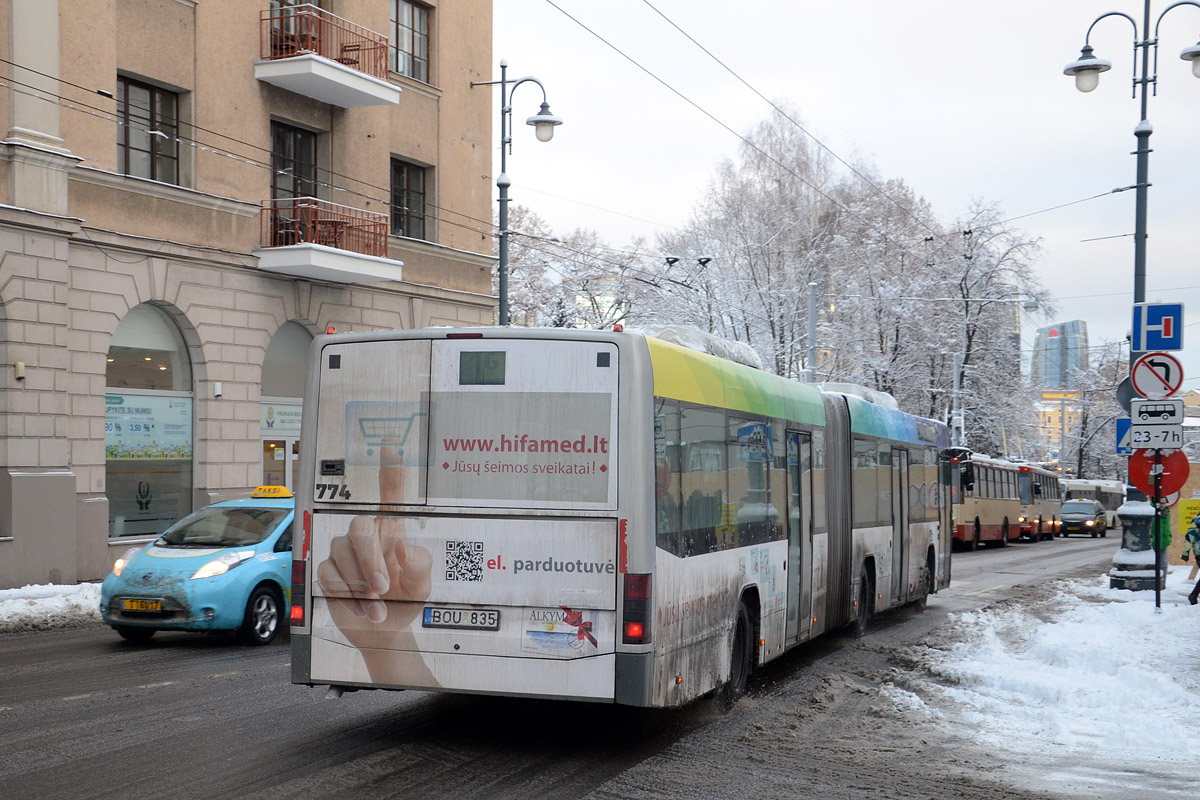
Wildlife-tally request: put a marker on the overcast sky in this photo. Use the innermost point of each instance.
(964, 101)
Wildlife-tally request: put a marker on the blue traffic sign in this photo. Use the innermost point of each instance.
(1124, 447)
(1157, 326)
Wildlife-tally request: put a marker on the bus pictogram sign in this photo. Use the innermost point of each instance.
(1157, 375)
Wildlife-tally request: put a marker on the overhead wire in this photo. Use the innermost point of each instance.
(782, 112)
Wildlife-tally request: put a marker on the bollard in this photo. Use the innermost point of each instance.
(1134, 564)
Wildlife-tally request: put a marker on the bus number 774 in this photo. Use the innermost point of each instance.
(332, 491)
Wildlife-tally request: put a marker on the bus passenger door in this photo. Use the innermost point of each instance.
(900, 554)
(799, 515)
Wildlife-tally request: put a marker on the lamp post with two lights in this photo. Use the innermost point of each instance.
(1086, 71)
(543, 123)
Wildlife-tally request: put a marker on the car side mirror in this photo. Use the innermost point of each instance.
(968, 476)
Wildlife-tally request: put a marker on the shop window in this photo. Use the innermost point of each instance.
(147, 424)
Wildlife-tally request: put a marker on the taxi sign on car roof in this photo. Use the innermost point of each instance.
(271, 491)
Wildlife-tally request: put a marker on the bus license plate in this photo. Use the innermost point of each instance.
(480, 619)
(140, 604)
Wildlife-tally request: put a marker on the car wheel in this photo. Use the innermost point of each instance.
(131, 634)
(739, 660)
(261, 622)
(1004, 535)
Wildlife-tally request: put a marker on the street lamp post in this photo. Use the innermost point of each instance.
(543, 123)
(1086, 71)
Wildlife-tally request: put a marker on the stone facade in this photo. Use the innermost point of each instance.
(81, 244)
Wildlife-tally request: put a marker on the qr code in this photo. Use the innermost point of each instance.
(464, 561)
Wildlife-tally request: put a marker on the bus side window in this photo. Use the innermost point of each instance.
(704, 480)
(667, 497)
(865, 500)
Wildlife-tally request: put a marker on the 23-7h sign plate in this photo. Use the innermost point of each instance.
(1157, 424)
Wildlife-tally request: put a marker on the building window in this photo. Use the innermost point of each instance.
(293, 162)
(148, 432)
(147, 131)
(408, 200)
(410, 40)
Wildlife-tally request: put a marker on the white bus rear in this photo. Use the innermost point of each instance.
(460, 496)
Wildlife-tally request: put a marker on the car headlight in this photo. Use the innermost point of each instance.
(126, 557)
(1021, 520)
(1090, 522)
(223, 563)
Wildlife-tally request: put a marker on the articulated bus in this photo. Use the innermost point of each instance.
(985, 497)
(592, 515)
(1111, 495)
(1041, 502)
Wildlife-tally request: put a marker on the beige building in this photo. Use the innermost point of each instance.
(189, 191)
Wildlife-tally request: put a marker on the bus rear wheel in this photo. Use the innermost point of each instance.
(866, 596)
(928, 586)
(739, 660)
(1004, 535)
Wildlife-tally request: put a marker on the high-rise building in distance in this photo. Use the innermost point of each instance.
(1059, 350)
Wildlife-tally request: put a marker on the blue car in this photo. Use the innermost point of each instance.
(226, 567)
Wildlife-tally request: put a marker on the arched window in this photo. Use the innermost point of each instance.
(282, 396)
(147, 424)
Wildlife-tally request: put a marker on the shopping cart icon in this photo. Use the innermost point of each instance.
(390, 431)
(373, 426)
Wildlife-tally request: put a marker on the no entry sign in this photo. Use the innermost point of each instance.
(1174, 473)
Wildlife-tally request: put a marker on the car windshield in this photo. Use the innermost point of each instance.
(1079, 507)
(223, 527)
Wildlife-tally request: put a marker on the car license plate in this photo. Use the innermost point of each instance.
(141, 604)
(480, 619)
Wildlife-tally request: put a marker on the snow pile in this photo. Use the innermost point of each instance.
(1108, 673)
(35, 608)
(693, 338)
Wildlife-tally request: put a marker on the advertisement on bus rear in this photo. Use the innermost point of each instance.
(440, 586)
(544, 448)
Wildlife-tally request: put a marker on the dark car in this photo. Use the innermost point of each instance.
(1084, 516)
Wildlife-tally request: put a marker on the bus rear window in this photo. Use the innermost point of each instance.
(481, 368)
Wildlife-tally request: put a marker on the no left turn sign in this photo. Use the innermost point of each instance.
(1157, 375)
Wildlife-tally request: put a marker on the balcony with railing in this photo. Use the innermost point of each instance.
(305, 237)
(307, 50)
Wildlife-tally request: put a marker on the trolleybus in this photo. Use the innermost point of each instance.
(592, 515)
(985, 498)
(1041, 502)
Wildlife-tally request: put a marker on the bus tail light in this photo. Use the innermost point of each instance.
(299, 573)
(635, 624)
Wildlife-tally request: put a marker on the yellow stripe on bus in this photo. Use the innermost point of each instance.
(695, 377)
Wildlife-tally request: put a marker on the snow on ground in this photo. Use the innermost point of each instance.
(35, 608)
(1095, 689)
